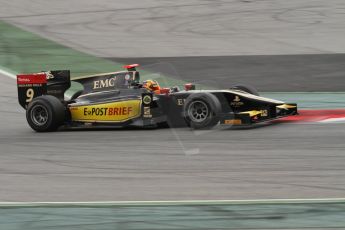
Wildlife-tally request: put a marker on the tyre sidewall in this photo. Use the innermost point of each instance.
(55, 110)
(214, 109)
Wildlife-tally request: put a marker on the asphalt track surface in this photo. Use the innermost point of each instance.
(276, 161)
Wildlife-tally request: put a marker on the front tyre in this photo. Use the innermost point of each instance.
(45, 113)
(202, 110)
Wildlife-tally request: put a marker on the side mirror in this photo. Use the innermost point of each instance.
(189, 86)
(131, 67)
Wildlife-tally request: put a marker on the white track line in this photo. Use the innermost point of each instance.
(333, 120)
(172, 203)
(7, 74)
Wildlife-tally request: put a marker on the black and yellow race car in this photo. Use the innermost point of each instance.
(120, 99)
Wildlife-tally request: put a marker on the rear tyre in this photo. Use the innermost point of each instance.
(45, 113)
(247, 89)
(201, 110)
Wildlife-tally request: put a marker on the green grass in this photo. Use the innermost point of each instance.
(25, 52)
(287, 214)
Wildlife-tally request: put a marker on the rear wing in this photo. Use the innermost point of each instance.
(33, 85)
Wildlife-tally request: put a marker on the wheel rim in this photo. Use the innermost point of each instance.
(39, 115)
(198, 111)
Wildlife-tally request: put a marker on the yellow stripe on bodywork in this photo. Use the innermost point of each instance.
(252, 113)
(119, 111)
(286, 106)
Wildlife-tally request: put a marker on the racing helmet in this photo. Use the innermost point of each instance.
(151, 85)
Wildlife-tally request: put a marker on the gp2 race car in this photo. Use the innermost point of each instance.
(119, 99)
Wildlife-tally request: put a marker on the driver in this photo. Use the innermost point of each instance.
(152, 85)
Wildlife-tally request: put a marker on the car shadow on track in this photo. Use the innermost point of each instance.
(132, 128)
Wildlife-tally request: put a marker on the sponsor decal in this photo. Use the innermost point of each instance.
(106, 83)
(49, 75)
(236, 102)
(264, 113)
(147, 112)
(27, 79)
(29, 85)
(147, 99)
(233, 122)
(23, 80)
(116, 111)
(110, 112)
(180, 101)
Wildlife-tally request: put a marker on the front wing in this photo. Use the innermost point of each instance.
(259, 115)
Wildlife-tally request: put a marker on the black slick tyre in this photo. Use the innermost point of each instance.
(45, 113)
(201, 110)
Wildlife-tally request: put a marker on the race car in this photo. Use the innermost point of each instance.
(120, 99)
